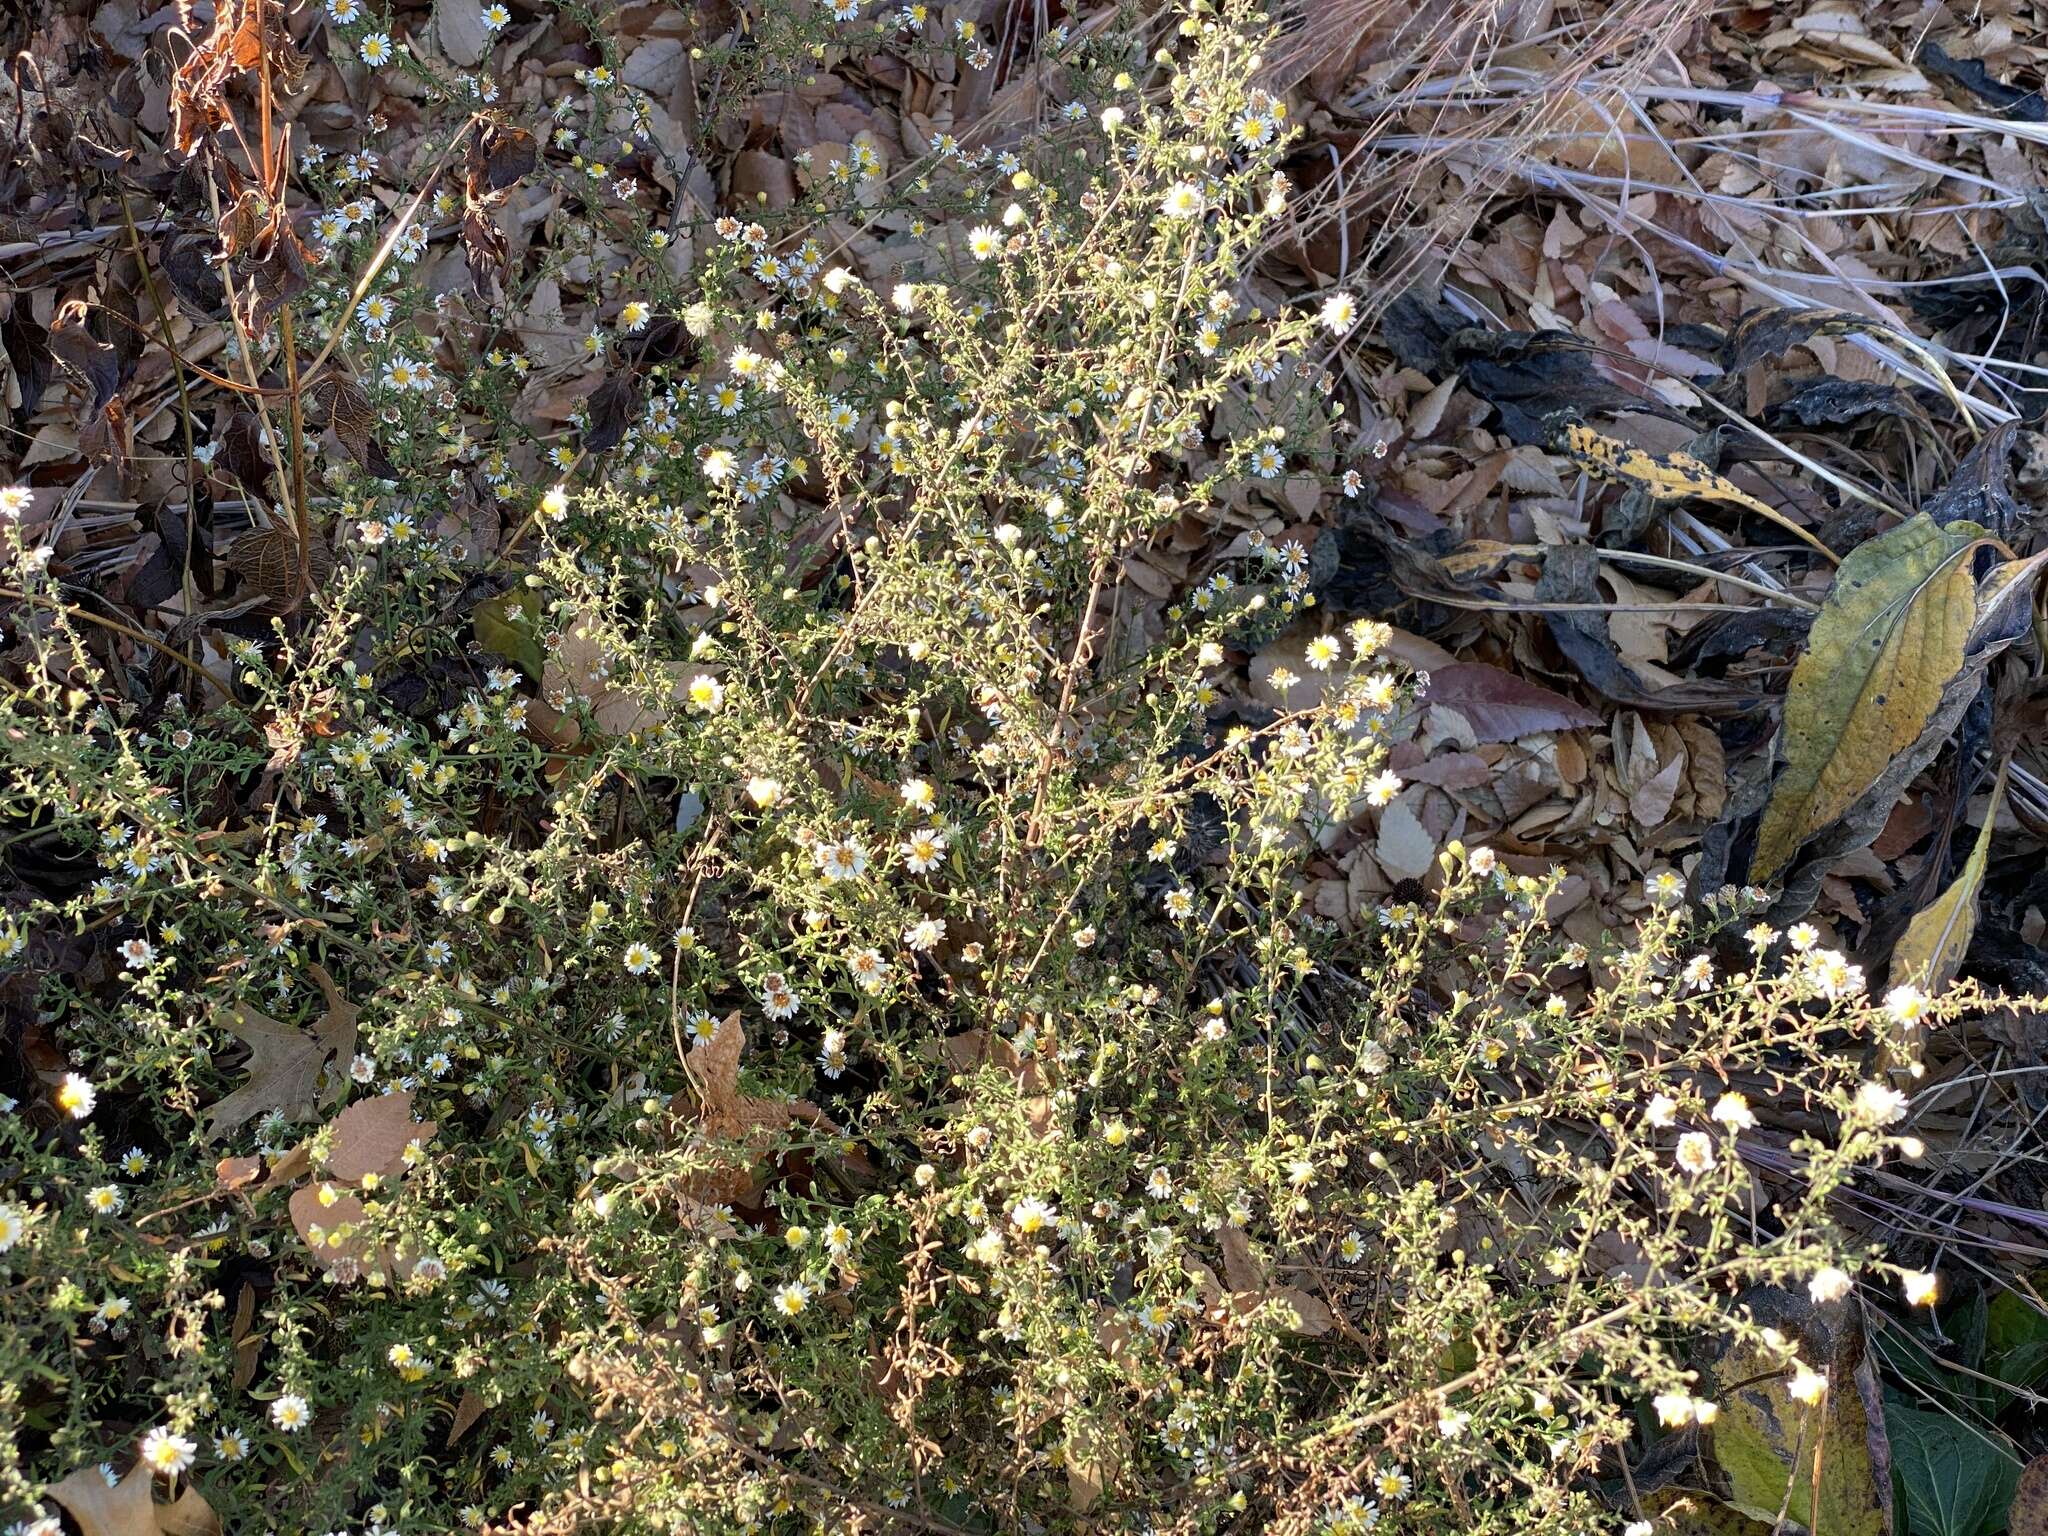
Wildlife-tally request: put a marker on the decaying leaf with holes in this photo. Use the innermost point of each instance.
(747, 1126)
(267, 561)
(349, 414)
(1669, 477)
(1899, 645)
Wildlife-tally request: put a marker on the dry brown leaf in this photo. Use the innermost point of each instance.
(580, 666)
(129, 1508)
(327, 1218)
(371, 1136)
(723, 1113)
(467, 1412)
(125, 1509)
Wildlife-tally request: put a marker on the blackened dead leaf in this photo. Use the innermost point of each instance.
(498, 156)
(1766, 333)
(612, 408)
(1540, 380)
(1570, 576)
(244, 455)
(2010, 101)
(193, 278)
(1837, 402)
(28, 354)
(1981, 490)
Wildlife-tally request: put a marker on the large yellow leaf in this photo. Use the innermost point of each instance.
(1939, 935)
(1826, 1465)
(1887, 643)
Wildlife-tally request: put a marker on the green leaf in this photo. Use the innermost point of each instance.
(508, 625)
(1956, 1480)
(2016, 1340)
(1940, 933)
(1888, 640)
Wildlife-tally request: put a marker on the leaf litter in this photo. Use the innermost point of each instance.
(1808, 231)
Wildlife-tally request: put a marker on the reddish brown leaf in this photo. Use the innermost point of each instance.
(1500, 706)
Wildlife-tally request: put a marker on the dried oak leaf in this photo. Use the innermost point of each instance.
(974, 1048)
(369, 1137)
(284, 1062)
(127, 1508)
(580, 666)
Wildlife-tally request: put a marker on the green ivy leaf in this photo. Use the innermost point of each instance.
(1956, 1480)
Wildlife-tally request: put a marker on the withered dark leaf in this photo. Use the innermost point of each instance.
(350, 415)
(498, 156)
(484, 246)
(1537, 380)
(193, 278)
(1838, 402)
(94, 361)
(2012, 102)
(1981, 490)
(277, 263)
(664, 342)
(1765, 333)
(1569, 577)
(28, 353)
(612, 408)
(243, 455)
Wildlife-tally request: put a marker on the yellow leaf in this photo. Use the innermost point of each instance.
(1939, 935)
(1886, 644)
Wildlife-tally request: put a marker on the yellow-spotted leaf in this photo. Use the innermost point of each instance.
(1886, 644)
(1939, 935)
(1670, 477)
(1681, 1512)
